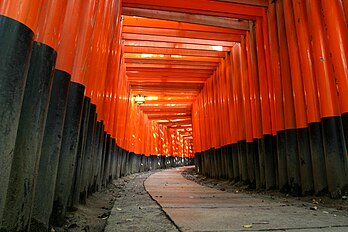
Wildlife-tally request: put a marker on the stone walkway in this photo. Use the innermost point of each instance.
(193, 207)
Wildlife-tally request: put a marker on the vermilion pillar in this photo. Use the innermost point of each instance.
(299, 102)
(292, 160)
(337, 34)
(277, 97)
(333, 135)
(256, 113)
(311, 96)
(266, 145)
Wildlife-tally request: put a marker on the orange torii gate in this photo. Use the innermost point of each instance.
(250, 90)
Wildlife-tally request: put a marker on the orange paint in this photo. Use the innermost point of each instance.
(246, 92)
(263, 80)
(288, 101)
(337, 34)
(327, 92)
(276, 72)
(68, 44)
(49, 29)
(24, 11)
(306, 59)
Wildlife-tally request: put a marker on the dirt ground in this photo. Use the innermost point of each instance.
(135, 210)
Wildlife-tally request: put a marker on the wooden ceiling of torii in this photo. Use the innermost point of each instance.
(173, 46)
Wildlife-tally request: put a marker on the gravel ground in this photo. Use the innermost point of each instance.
(124, 206)
(135, 210)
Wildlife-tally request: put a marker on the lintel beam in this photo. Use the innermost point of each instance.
(168, 24)
(139, 43)
(184, 33)
(171, 57)
(161, 38)
(206, 20)
(263, 3)
(206, 7)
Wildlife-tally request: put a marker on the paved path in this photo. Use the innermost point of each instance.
(193, 207)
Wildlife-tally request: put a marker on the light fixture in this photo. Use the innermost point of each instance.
(139, 99)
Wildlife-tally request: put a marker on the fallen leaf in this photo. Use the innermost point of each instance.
(248, 226)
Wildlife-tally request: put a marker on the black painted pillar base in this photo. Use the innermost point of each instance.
(318, 158)
(282, 162)
(270, 173)
(293, 164)
(261, 149)
(198, 163)
(50, 152)
(235, 160)
(251, 164)
(335, 156)
(87, 174)
(230, 162)
(306, 169)
(16, 41)
(243, 165)
(344, 118)
(256, 164)
(80, 156)
(29, 138)
(67, 159)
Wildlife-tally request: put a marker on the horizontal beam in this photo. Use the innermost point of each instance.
(135, 74)
(171, 91)
(139, 43)
(159, 80)
(161, 93)
(169, 114)
(183, 122)
(168, 24)
(171, 57)
(174, 51)
(182, 33)
(176, 62)
(263, 3)
(176, 110)
(162, 85)
(161, 38)
(163, 66)
(168, 117)
(206, 7)
(161, 70)
(198, 19)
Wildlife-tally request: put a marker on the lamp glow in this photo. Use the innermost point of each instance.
(139, 99)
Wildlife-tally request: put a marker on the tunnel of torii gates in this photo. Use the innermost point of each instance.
(251, 90)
